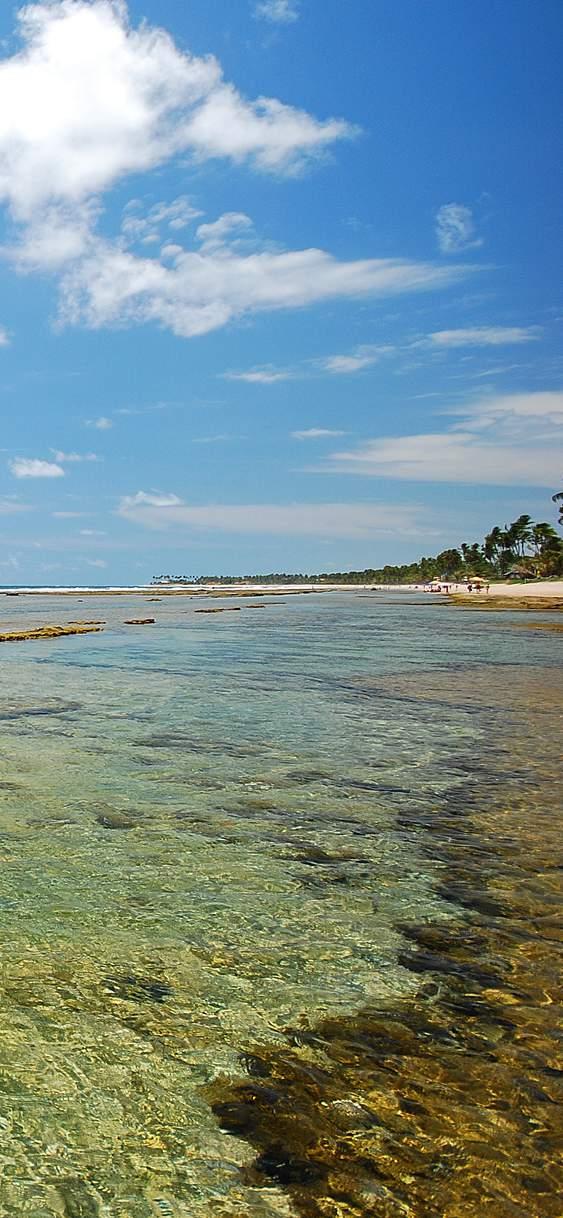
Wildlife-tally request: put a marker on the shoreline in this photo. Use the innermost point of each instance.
(544, 594)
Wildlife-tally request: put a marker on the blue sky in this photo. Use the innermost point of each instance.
(280, 284)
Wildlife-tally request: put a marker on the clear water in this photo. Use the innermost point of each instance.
(203, 843)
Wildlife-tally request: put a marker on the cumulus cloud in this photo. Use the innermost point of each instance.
(455, 229)
(90, 98)
(500, 440)
(315, 433)
(205, 289)
(228, 228)
(32, 467)
(485, 336)
(326, 520)
(280, 12)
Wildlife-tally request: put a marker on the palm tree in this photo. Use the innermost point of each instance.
(493, 544)
(542, 534)
(558, 499)
(520, 534)
(449, 563)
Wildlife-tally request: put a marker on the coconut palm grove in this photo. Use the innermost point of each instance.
(520, 550)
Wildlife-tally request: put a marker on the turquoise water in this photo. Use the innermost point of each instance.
(203, 843)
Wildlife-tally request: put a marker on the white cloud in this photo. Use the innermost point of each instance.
(143, 226)
(485, 336)
(204, 290)
(260, 376)
(32, 467)
(73, 458)
(68, 515)
(150, 499)
(89, 99)
(455, 229)
(4, 337)
(315, 433)
(101, 424)
(270, 135)
(504, 441)
(92, 533)
(281, 12)
(268, 374)
(56, 234)
(96, 562)
(362, 357)
(326, 520)
(515, 410)
(220, 438)
(10, 507)
(223, 231)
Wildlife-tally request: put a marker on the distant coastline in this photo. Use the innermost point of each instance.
(455, 592)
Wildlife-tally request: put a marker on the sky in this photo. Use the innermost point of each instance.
(280, 282)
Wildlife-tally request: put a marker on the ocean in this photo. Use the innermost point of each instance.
(280, 907)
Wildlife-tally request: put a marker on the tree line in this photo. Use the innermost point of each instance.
(523, 550)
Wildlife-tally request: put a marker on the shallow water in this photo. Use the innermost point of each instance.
(233, 845)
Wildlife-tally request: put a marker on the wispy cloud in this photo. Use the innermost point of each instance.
(221, 438)
(280, 12)
(69, 515)
(63, 458)
(316, 433)
(150, 499)
(33, 467)
(146, 226)
(485, 336)
(101, 424)
(507, 440)
(322, 520)
(362, 357)
(5, 339)
(455, 229)
(139, 410)
(11, 507)
(205, 290)
(266, 375)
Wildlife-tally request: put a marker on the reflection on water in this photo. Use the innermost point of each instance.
(278, 901)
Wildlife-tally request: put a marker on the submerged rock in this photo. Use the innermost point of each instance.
(77, 1200)
(131, 988)
(46, 632)
(116, 820)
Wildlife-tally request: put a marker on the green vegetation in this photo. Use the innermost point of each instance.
(521, 550)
